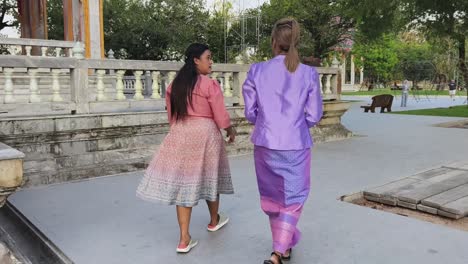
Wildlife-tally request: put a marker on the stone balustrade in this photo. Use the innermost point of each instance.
(46, 48)
(73, 86)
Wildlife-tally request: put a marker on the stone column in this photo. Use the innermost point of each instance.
(83, 21)
(353, 73)
(343, 71)
(361, 72)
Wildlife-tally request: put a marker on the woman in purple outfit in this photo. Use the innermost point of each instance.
(282, 99)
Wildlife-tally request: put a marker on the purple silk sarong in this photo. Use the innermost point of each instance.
(283, 178)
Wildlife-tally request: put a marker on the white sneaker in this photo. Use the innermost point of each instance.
(223, 220)
(185, 249)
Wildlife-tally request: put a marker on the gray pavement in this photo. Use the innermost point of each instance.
(101, 220)
(415, 102)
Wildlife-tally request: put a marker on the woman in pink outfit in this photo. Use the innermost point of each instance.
(191, 163)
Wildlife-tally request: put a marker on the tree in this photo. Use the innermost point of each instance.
(324, 25)
(440, 19)
(8, 7)
(55, 25)
(380, 57)
(153, 29)
(416, 61)
(144, 30)
(445, 60)
(219, 14)
(435, 18)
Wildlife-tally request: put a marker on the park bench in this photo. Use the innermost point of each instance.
(383, 101)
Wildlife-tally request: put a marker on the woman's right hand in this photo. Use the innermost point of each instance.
(231, 134)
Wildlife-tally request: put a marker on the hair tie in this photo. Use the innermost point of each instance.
(286, 23)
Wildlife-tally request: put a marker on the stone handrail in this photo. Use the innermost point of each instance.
(84, 86)
(37, 42)
(47, 47)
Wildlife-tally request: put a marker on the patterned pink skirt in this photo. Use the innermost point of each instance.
(191, 164)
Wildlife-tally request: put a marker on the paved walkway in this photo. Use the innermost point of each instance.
(421, 102)
(101, 221)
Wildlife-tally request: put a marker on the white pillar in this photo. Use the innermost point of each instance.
(58, 52)
(100, 85)
(343, 71)
(12, 50)
(156, 93)
(170, 77)
(353, 73)
(78, 51)
(328, 84)
(8, 72)
(44, 51)
(138, 85)
(320, 83)
(33, 87)
(227, 84)
(56, 86)
(214, 76)
(119, 86)
(28, 51)
(361, 72)
(93, 28)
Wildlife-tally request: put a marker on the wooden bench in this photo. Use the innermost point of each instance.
(383, 101)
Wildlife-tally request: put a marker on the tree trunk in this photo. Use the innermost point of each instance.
(33, 21)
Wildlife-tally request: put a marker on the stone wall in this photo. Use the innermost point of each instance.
(74, 147)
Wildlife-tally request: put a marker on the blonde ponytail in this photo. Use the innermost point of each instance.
(286, 33)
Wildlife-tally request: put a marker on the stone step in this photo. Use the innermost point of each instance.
(437, 201)
(460, 165)
(432, 186)
(427, 209)
(426, 175)
(457, 207)
(442, 191)
(389, 189)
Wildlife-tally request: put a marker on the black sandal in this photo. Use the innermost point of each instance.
(271, 262)
(288, 257)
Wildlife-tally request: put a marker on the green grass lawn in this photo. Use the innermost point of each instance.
(397, 92)
(454, 111)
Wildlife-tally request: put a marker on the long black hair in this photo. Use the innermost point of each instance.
(184, 82)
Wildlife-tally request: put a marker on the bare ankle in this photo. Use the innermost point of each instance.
(214, 221)
(185, 238)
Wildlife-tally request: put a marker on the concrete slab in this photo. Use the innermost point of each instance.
(412, 185)
(433, 186)
(430, 173)
(461, 165)
(437, 201)
(390, 188)
(407, 205)
(449, 215)
(427, 209)
(459, 207)
(389, 201)
(373, 199)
